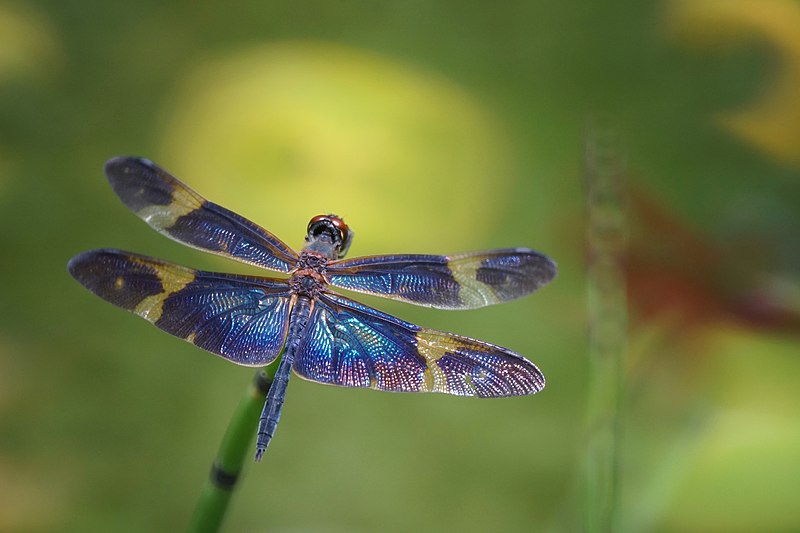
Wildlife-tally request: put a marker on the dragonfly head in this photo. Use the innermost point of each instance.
(329, 235)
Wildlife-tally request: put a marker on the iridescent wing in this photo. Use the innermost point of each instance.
(352, 345)
(178, 212)
(464, 281)
(242, 318)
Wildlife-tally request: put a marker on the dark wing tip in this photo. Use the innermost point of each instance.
(543, 268)
(538, 382)
(523, 378)
(79, 265)
(86, 266)
(549, 269)
(123, 171)
(139, 182)
(119, 166)
(74, 265)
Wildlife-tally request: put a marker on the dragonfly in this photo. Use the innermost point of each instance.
(323, 336)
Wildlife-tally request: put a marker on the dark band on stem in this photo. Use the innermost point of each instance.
(222, 479)
(262, 383)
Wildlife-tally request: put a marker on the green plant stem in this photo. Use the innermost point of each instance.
(233, 450)
(607, 319)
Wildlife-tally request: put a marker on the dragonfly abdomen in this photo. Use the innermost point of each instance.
(271, 413)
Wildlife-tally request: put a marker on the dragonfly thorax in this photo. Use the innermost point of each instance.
(308, 279)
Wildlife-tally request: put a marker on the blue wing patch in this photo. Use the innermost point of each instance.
(241, 318)
(352, 345)
(464, 281)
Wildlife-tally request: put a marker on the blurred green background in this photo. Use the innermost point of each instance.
(432, 127)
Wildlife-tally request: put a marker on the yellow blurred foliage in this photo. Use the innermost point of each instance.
(28, 47)
(746, 458)
(283, 132)
(771, 124)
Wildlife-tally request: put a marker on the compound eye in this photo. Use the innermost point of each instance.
(339, 224)
(314, 221)
(323, 221)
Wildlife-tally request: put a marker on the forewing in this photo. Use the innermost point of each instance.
(178, 212)
(352, 345)
(464, 281)
(242, 318)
